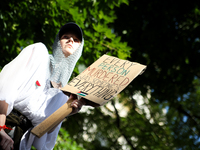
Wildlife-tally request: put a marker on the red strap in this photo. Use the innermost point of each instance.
(4, 127)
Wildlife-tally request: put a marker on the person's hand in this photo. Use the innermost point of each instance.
(6, 142)
(76, 104)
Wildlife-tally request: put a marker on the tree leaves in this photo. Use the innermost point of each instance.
(159, 34)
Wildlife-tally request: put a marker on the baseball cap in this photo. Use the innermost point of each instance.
(73, 27)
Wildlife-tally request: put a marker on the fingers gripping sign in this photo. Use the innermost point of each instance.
(76, 103)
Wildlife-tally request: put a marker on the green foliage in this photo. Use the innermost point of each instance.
(160, 109)
(65, 142)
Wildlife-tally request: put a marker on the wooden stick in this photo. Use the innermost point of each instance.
(53, 120)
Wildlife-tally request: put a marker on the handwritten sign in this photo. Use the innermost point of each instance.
(104, 79)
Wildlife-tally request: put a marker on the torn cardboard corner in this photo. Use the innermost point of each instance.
(104, 79)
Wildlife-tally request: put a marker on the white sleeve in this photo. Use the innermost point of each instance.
(18, 72)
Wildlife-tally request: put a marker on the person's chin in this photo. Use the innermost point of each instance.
(69, 53)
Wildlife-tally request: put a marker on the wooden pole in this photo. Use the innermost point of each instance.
(53, 120)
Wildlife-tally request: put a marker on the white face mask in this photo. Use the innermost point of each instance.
(60, 66)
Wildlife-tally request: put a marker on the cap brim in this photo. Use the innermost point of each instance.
(71, 27)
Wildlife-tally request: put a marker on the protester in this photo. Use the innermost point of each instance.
(30, 89)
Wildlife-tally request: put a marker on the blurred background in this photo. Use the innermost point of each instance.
(160, 109)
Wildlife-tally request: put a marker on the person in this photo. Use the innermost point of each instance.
(30, 89)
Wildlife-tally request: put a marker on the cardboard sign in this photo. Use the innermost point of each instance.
(99, 83)
(104, 79)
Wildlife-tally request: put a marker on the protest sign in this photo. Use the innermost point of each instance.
(98, 83)
(104, 79)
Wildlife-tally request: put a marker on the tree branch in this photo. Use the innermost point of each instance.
(119, 127)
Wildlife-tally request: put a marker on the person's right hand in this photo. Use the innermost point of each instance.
(6, 142)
